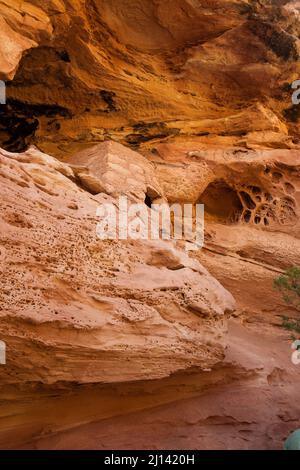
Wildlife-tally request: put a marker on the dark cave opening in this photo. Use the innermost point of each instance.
(148, 201)
(222, 202)
(16, 129)
(19, 122)
(22, 116)
(151, 196)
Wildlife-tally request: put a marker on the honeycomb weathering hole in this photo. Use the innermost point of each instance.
(222, 202)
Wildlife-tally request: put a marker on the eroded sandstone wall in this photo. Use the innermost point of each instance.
(174, 350)
(140, 71)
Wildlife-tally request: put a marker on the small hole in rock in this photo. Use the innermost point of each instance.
(148, 201)
(247, 216)
(257, 220)
(246, 198)
(277, 176)
(255, 189)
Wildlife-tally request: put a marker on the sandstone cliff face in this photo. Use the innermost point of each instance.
(251, 203)
(175, 350)
(79, 313)
(78, 309)
(139, 71)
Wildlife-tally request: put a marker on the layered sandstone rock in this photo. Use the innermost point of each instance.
(139, 71)
(136, 336)
(238, 187)
(251, 203)
(75, 308)
(84, 311)
(116, 170)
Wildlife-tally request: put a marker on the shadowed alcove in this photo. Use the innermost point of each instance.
(222, 202)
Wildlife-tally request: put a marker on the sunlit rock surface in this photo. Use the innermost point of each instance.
(179, 101)
(140, 71)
